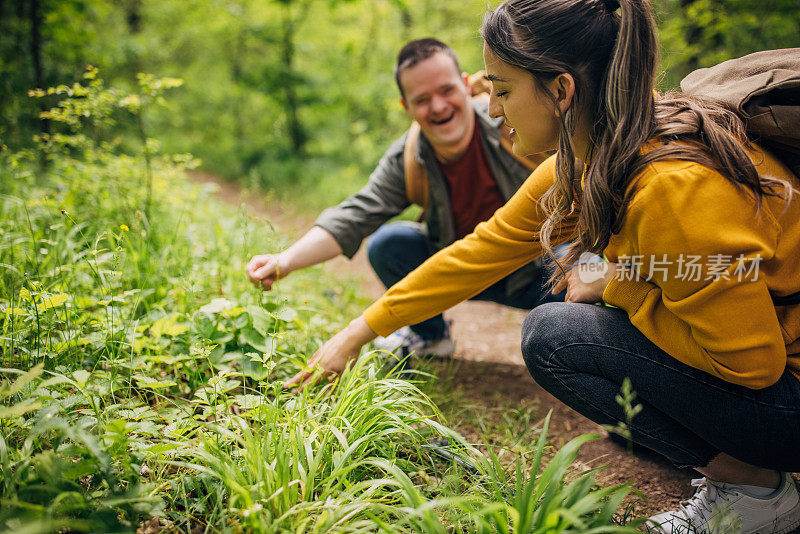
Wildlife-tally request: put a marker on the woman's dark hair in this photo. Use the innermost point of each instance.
(613, 56)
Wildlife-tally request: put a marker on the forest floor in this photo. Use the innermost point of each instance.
(488, 373)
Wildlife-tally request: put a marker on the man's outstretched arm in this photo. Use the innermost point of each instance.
(316, 246)
(342, 228)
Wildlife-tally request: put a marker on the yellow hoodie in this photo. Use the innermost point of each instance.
(719, 319)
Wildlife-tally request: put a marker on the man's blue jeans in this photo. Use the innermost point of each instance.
(396, 249)
(581, 353)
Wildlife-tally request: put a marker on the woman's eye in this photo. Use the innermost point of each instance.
(499, 94)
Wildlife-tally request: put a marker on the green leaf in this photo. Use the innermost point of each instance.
(220, 338)
(203, 324)
(217, 305)
(152, 383)
(262, 343)
(249, 401)
(81, 376)
(248, 336)
(18, 409)
(234, 312)
(84, 302)
(288, 314)
(254, 369)
(263, 323)
(167, 326)
(80, 469)
(54, 381)
(21, 382)
(53, 301)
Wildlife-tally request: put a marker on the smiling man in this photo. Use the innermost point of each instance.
(455, 163)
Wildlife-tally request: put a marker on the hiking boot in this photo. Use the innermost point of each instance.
(405, 342)
(721, 508)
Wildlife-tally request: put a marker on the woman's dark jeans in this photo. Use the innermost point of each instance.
(581, 353)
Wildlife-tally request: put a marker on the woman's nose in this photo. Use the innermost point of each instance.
(495, 110)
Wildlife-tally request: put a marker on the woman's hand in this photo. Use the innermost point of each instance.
(587, 282)
(333, 356)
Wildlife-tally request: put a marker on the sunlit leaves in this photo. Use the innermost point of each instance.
(168, 326)
(152, 383)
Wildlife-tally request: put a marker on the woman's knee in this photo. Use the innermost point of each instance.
(556, 336)
(545, 329)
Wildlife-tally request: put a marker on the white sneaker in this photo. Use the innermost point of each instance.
(404, 342)
(720, 508)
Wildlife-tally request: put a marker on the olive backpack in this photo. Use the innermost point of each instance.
(764, 90)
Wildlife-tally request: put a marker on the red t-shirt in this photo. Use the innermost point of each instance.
(474, 195)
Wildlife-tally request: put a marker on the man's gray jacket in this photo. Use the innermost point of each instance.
(384, 196)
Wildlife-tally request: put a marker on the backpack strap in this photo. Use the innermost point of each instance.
(415, 173)
(786, 300)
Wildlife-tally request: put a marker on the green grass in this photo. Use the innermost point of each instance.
(141, 373)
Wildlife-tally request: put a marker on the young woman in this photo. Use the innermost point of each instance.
(700, 228)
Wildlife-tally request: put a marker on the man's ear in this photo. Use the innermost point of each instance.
(405, 105)
(563, 89)
(465, 77)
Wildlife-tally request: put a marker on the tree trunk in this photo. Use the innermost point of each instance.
(692, 35)
(132, 10)
(36, 19)
(297, 134)
(133, 15)
(406, 21)
(237, 75)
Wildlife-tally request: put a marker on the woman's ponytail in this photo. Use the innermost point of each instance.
(625, 120)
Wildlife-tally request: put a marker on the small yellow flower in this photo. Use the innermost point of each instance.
(124, 227)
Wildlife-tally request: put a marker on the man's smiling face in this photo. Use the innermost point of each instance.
(436, 95)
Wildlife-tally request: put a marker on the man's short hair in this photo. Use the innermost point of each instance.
(417, 51)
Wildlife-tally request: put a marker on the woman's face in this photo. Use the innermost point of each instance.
(516, 98)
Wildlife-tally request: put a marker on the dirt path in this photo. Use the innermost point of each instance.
(490, 371)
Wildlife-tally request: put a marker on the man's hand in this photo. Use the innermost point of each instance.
(265, 269)
(587, 282)
(332, 357)
(316, 246)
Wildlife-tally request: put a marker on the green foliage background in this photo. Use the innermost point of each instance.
(140, 375)
(297, 94)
